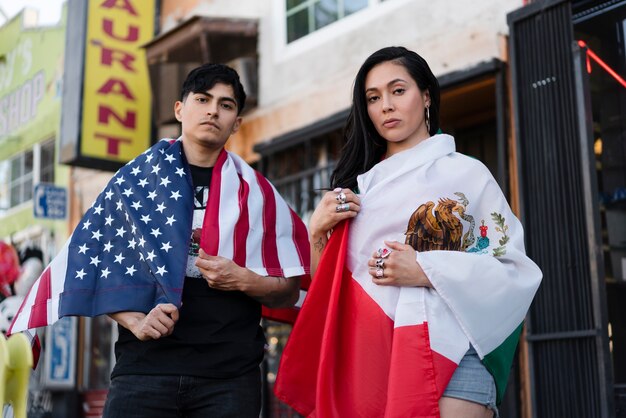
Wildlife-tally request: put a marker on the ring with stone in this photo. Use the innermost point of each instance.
(380, 263)
(341, 197)
(379, 272)
(342, 207)
(383, 252)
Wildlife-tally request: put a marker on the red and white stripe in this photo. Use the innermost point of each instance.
(256, 228)
(40, 307)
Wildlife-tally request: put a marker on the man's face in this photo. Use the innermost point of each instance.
(209, 118)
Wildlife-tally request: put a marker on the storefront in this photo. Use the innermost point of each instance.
(567, 65)
(106, 122)
(33, 186)
(603, 30)
(525, 115)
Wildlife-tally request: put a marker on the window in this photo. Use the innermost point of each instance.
(21, 178)
(301, 173)
(19, 174)
(299, 163)
(46, 174)
(306, 16)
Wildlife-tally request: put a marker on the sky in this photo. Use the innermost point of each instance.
(49, 10)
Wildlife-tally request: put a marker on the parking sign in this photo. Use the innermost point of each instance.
(50, 201)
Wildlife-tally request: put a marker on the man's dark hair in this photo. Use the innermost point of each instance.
(203, 78)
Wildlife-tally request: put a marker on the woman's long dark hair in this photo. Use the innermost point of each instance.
(363, 146)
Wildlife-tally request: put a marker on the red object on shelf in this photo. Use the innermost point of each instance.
(9, 267)
(93, 403)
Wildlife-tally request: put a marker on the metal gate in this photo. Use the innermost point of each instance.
(570, 368)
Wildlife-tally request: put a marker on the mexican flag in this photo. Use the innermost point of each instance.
(363, 350)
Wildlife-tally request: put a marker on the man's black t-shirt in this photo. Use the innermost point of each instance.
(218, 333)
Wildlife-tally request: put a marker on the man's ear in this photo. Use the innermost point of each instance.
(178, 106)
(236, 125)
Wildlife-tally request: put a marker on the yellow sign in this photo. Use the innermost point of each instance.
(116, 88)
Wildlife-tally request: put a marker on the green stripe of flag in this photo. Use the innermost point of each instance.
(499, 362)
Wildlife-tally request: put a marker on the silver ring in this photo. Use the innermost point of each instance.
(379, 272)
(343, 207)
(380, 263)
(341, 197)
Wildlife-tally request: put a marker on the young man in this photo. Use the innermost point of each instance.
(202, 359)
(181, 248)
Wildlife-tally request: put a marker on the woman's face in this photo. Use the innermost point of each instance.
(396, 106)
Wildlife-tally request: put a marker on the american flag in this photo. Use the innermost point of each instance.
(129, 251)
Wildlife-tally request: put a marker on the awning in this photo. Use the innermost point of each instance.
(205, 39)
(199, 40)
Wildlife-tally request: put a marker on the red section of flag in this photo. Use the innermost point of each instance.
(36, 347)
(346, 340)
(243, 224)
(344, 357)
(269, 249)
(417, 375)
(296, 383)
(287, 315)
(39, 311)
(301, 240)
(211, 223)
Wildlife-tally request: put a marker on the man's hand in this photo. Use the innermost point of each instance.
(221, 273)
(224, 274)
(159, 322)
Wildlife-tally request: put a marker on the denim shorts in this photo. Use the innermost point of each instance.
(472, 382)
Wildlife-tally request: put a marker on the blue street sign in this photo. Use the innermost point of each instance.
(50, 201)
(60, 354)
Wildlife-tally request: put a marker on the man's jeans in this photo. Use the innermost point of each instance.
(135, 396)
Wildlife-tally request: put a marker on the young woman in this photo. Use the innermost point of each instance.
(417, 303)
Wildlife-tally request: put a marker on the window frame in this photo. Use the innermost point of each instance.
(309, 6)
(24, 180)
(48, 166)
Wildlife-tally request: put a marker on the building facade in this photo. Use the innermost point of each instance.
(519, 92)
(511, 85)
(568, 89)
(298, 60)
(31, 75)
(33, 186)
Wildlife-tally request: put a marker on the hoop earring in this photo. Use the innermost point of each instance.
(428, 119)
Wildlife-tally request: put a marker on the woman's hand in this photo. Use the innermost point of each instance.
(398, 268)
(335, 206)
